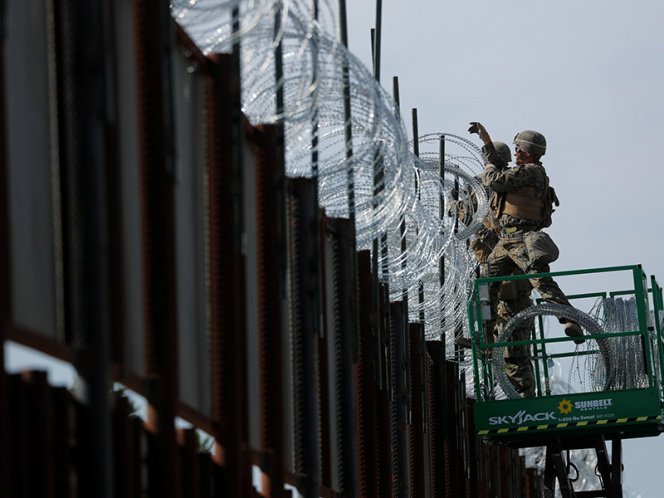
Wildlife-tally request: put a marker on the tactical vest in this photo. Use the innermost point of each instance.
(527, 203)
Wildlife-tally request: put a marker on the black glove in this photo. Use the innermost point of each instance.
(478, 128)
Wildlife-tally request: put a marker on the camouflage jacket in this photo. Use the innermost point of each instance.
(512, 179)
(493, 159)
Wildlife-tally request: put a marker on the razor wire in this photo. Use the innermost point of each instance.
(618, 315)
(400, 199)
(616, 362)
(598, 371)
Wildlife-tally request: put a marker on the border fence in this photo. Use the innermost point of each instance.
(149, 237)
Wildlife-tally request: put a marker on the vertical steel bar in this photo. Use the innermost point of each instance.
(270, 278)
(316, 267)
(377, 37)
(416, 151)
(435, 394)
(404, 266)
(472, 474)
(5, 299)
(314, 118)
(84, 76)
(441, 263)
(376, 247)
(462, 432)
(348, 137)
(603, 464)
(378, 171)
(323, 362)
(383, 447)
(452, 427)
(314, 170)
(474, 316)
(545, 363)
(114, 186)
(416, 133)
(365, 387)
(153, 27)
(62, 56)
(398, 401)
(641, 296)
(18, 465)
(416, 424)
(98, 32)
(504, 467)
(348, 128)
(240, 389)
(616, 468)
(62, 436)
(228, 353)
(658, 307)
(303, 254)
(238, 131)
(127, 462)
(341, 297)
(189, 468)
(402, 223)
(278, 61)
(40, 424)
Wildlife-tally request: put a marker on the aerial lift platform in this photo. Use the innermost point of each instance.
(608, 407)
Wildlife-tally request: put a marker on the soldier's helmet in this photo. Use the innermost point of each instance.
(503, 151)
(532, 142)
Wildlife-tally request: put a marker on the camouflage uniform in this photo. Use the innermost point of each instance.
(507, 298)
(486, 238)
(484, 241)
(526, 250)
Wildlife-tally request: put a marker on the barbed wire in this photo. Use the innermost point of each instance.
(398, 197)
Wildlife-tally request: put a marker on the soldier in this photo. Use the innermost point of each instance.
(507, 298)
(485, 238)
(522, 205)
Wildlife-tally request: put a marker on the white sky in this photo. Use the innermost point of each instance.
(587, 74)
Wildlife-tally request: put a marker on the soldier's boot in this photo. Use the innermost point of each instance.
(572, 329)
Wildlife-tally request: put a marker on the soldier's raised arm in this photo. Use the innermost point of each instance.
(491, 153)
(479, 129)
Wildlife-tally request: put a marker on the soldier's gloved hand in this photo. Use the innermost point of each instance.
(476, 127)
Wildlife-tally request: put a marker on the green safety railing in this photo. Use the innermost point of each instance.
(634, 411)
(649, 318)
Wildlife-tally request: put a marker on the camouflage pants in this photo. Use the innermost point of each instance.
(505, 304)
(523, 253)
(483, 244)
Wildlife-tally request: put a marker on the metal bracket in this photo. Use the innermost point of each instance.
(610, 469)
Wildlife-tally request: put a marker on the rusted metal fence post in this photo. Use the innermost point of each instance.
(5, 295)
(270, 280)
(154, 112)
(226, 279)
